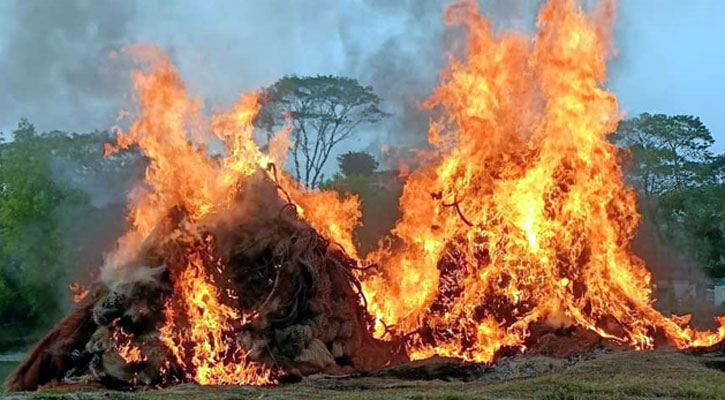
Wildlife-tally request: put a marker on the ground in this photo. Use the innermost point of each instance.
(618, 375)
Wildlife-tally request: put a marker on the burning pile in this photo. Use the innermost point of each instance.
(524, 216)
(219, 281)
(245, 298)
(519, 218)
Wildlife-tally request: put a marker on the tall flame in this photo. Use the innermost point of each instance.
(525, 217)
(175, 137)
(204, 334)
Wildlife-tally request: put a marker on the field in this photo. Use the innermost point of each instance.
(619, 375)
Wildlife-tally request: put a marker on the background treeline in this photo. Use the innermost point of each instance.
(669, 160)
(62, 204)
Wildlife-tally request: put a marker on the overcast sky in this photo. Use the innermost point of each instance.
(55, 67)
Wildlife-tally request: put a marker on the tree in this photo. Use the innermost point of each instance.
(669, 152)
(357, 163)
(46, 203)
(28, 234)
(680, 183)
(378, 192)
(324, 111)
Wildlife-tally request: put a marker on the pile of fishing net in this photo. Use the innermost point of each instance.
(285, 300)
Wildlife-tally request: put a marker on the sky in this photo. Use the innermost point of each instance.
(56, 69)
(672, 60)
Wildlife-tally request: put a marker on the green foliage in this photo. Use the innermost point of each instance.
(324, 110)
(680, 183)
(669, 152)
(34, 249)
(357, 163)
(28, 234)
(6, 295)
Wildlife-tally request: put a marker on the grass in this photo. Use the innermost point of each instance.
(624, 375)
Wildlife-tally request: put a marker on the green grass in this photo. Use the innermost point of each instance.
(624, 375)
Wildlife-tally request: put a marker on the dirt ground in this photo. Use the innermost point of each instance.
(616, 375)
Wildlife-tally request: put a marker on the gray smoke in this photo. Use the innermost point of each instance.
(61, 67)
(403, 64)
(56, 62)
(91, 227)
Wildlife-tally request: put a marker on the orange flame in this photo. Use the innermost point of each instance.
(522, 216)
(525, 217)
(123, 343)
(176, 138)
(215, 356)
(78, 292)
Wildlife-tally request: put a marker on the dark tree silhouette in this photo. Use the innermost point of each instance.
(357, 163)
(324, 110)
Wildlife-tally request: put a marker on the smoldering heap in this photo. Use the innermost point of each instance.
(304, 310)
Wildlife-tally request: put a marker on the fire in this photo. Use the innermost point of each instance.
(175, 136)
(78, 292)
(522, 217)
(204, 334)
(334, 217)
(525, 216)
(201, 330)
(123, 343)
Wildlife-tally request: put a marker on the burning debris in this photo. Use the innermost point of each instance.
(516, 236)
(524, 217)
(219, 281)
(248, 297)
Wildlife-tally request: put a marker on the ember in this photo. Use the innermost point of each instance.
(232, 273)
(78, 291)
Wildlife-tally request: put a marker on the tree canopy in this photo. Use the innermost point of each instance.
(680, 183)
(43, 204)
(669, 152)
(378, 192)
(356, 163)
(324, 110)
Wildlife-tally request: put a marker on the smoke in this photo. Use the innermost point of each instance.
(402, 68)
(63, 64)
(56, 62)
(93, 217)
(58, 69)
(680, 284)
(61, 67)
(103, 187)
(403, 64)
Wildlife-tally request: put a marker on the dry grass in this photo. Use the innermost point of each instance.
(623, 375)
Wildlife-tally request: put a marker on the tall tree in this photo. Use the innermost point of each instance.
(324, 110)
(680, 183)
(28, 232)
(378, 192)
(669, 152)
